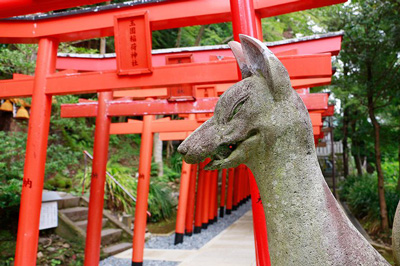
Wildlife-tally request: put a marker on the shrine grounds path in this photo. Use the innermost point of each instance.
(230, 241)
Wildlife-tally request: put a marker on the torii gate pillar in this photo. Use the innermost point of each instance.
(35, 159)
(245, 21)
(98, 180)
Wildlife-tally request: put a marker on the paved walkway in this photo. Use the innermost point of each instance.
(234, 246)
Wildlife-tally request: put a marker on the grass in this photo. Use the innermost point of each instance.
(163, 227)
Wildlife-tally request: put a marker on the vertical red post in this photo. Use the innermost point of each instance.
(244, 21)
(213, 195)
(142, 191)
(259, 27)
(216, 196)
(236, 189)
(240, 185)
(198, 220)
(182, 203)
(98, 179)
(229, 196)
(206, 197)
(191, 200)
(223, 192)
(259, 224)
(243, 18)
(35, 158)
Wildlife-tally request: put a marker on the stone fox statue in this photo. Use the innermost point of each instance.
(263, 123)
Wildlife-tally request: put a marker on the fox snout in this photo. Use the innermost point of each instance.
(200, 144)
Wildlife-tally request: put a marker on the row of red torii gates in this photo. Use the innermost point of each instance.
(206, 72)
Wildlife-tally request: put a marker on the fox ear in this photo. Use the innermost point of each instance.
(261, 61)
(241, 60)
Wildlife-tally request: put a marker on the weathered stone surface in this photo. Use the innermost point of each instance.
(110, 235)
(396, 236)
(262, 122)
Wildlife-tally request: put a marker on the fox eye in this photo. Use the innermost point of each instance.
(237, 108)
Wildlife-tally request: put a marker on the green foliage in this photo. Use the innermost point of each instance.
(12, 147)
(58, 182)
(76, 133)
(175, 162)
(291, 25)
(213, 34)
(7, 248)
(361, 193)
(164, 38)
(17, 58)
(116, 198)
(160, 201)
(10, 193)
(69, 48)
(170, 175)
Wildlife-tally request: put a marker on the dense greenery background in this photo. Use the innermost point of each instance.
(365, 90)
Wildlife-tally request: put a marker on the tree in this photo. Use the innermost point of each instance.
(370, 56)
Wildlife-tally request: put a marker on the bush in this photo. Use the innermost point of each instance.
(361, 193)
(160, 200)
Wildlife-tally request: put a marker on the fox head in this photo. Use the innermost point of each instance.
(252, 115)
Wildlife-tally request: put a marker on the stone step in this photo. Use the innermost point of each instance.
(76, 213)
(68, 201)
(83, 224)
(116, 248)
(110, 235)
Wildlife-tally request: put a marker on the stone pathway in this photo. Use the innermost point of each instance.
(234, 246)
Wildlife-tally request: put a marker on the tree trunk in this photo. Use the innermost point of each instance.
(345, 148)
(355, 147)
(381, 189)
(157, 151)
(102, 45)
(375, 123)
(170, 148)
(200, 35)
(178, 38)
(398, 158)
(357, 160)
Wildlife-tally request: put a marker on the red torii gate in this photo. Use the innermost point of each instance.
(44, 84)
(129, 107)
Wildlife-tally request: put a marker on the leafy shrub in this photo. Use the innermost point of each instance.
(170, 175)
(10, 193)
(160, 201)
(58, 181)
(361, 193)
(116, 198)
(12, 146)
(175, 162)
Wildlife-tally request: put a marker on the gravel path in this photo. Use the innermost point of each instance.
(196, 241)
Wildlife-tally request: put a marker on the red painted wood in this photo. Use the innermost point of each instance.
(198, 219)
(299, 67)
(183, 198)
(321, 45)
(143, 185)
(172, 14)
(191, 200)
(35, 158)
(98, 179)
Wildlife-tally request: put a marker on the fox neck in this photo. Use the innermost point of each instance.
(306, 225)
(294, 195)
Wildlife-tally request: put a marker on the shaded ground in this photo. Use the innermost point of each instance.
(196, 241)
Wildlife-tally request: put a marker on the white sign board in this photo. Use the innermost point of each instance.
(48, 215)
